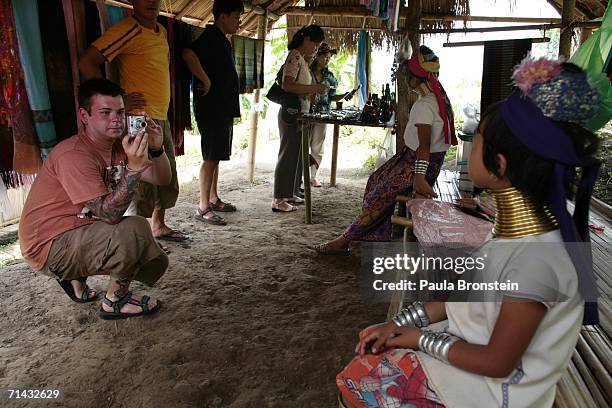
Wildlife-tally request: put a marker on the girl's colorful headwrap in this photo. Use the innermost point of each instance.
(425, 65)
(546, 92)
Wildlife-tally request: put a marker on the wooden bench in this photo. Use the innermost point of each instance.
(587, 381)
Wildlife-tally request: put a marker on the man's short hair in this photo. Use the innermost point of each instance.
(96, 86)
(227, 7)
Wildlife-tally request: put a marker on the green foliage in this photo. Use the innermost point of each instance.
(244, 143)
(451, 153)
(342, 66)
(370, 163)
(277, 47)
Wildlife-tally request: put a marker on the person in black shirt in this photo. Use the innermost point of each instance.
(215, 102)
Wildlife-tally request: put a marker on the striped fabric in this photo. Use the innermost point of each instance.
(32, 60)
(111, 50)
(249, 60)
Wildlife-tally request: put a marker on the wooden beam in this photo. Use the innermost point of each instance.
(355, 11)
(348, 11)
(591, 24)
(438, 17)
(475, 43)
(565, 39)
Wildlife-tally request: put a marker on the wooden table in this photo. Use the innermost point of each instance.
(306, 121)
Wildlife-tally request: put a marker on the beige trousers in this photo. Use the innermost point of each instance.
(124, 250)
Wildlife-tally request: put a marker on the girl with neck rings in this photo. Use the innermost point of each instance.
(510, 349)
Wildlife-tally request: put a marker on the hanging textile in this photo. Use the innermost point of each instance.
(259, 63)
(383, 12)
(57, 68)
(249, 64)
(238, 46)
(393, 23)
(179, 112)
(374, 6)
(591, 56)
(19, 152)
(249, 60)
(116, 14)
(32, 60)
(363, 66)
(18, 147)
(500, 58)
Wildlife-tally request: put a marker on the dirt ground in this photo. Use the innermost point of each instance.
(251, 316)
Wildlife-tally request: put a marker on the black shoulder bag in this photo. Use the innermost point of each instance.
(278, 95)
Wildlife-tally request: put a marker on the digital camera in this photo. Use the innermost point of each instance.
(135, 124)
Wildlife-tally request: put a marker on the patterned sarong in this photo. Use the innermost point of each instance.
(390, 180)
(394, 379)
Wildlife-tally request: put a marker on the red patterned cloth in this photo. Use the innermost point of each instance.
(14, 105)
(394, 379)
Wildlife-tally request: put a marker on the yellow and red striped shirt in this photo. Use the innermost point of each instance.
(143, 58)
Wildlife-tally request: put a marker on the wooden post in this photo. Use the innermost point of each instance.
(334, 163)
(565, 39)
(406, 98)
(306, 169)
(74, 16)
(262, 26)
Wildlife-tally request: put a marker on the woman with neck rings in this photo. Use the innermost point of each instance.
(428, 135)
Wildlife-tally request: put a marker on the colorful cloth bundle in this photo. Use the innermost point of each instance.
(19, 150)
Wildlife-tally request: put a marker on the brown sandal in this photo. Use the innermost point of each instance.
(222, 206)
(214, 220)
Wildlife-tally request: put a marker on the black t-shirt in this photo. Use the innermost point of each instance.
(216, 57)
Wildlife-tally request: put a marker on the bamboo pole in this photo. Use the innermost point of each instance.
(474, 43)
(565, 39)
(539, 27)
(262, 26)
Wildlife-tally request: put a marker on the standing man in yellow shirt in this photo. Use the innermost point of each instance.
(140, 46)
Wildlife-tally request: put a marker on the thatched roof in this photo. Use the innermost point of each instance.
(343, 25)
(343, 30)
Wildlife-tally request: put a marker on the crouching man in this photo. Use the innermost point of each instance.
(72, 225)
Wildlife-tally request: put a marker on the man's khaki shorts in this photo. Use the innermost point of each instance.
(124, 250)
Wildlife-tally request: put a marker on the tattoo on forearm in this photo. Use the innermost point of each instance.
(111, 207)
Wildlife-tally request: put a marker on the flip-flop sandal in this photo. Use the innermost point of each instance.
(164, 248)
(116, 314)
(174, 236)
(67, 286)
(214, 220)
(322, 249)
(222, 206)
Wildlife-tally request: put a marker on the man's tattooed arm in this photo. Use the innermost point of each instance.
(111, 207)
